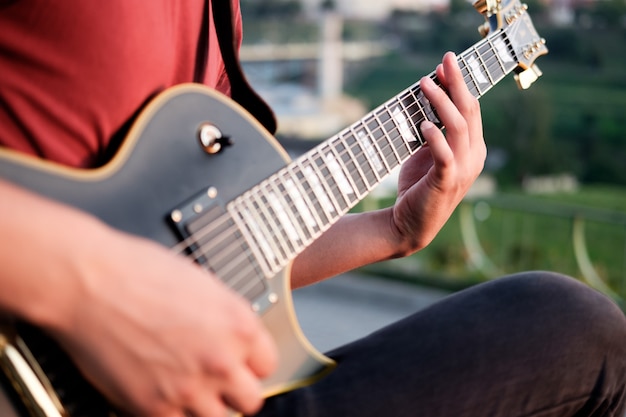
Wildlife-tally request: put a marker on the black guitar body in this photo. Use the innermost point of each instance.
(161, 181)
(161, 165)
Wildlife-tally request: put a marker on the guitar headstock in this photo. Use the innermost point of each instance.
(512, 17)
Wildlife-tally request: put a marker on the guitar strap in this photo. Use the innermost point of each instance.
(202, 51)
(241, 91)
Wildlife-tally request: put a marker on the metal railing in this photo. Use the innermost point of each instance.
(488, 237)
(508, 234)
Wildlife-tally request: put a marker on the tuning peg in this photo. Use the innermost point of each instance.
(527, 77)
(484, 29)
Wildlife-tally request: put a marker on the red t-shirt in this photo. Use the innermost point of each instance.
(72, 72)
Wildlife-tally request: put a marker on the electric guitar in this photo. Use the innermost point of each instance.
(198, 174)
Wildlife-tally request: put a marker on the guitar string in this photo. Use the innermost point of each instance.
(380, 129)
(205, 248)
(489, 65)
(204, 251)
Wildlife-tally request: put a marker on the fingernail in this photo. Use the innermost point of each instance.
(427, 125)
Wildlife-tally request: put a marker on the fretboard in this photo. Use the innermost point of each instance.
(286, 212)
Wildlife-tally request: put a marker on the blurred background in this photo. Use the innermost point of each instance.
(552, 195)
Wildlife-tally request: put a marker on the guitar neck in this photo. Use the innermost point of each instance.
(289, 210)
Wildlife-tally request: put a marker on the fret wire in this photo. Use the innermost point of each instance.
(476, 73)
(488, 50)
(474, 86)
(310, 204)
(504, 41)
(427, 108)
(260, 209)
(292, 218)
(398, 108)
(383, 160)
(387, 154)
(422, 118)
(492, 65)
(497, 55)
(394, 123)
(395, 129)
(338, 140)
(389, 139)
(261, 233)
(316, 201)
(482, 62)
(328, 195)
(406, 110)
(365, 145)
(321, 165)
(487, 64)
(347, 173)
(272, 228)
(352, 160)
(471, 76)
(416, 124)
(500, 75)
(364, 141)
(365, 155)
(496, 61)
(275, 227)
(237, 207)
(355, 150)
(421, 96)
(485, 69)
(288, 218)
(294, 212)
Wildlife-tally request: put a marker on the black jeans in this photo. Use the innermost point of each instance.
(531, 344)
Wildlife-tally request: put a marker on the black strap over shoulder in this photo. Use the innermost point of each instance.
(202, 48)
(241, 91)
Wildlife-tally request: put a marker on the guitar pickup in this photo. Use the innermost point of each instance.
(213, 240)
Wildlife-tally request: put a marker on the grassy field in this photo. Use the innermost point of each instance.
(514, 231)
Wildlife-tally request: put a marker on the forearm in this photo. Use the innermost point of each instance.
(356, 240)
(41, 254)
